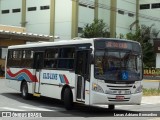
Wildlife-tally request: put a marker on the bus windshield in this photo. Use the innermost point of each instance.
(118, 65)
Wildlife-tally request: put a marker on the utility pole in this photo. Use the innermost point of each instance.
(23, 15)
(74, 23)
(113, 16)
(52, 18)
(96, 9)
(137, 14)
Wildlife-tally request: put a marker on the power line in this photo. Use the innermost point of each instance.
(104, 6)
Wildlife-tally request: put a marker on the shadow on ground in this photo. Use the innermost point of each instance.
(59, 110)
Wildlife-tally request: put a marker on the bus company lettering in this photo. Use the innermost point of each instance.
(51, 76)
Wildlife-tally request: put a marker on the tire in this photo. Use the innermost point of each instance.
(111, 107)
(24, 91)
(68, 99)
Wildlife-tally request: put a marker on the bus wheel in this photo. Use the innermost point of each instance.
(111, 107)
(24, 91)
(68, 99)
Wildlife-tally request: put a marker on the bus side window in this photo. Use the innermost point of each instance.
(66, 58)
(50, 60)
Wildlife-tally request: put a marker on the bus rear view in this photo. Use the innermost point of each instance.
(117, 73)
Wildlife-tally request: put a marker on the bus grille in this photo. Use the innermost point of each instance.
(120, 87)
(123, 89)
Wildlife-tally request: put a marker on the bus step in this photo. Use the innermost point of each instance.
(36, 94)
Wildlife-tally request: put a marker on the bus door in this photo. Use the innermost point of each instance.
(82, 71)
(38, 65)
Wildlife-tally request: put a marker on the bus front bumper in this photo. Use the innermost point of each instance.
(107, 99)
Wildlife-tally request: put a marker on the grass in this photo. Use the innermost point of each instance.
(151, 92)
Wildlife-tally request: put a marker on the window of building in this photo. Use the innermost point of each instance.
(83, 5)
(130, 14)
(44, 7)
(144, 6)
(5, 11)
(16, 10)
(91, 7)
(155, 5)
(32, 8)
(121, 12)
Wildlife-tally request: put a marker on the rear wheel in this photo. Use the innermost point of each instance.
(111, 107)
(24, 91)
(68, 99)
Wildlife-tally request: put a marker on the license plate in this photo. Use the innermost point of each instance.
(119, 97)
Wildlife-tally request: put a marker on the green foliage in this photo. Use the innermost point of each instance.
(151, 92)
(96, 29)
(143, 35)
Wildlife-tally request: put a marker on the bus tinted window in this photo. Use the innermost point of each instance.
(51, 56)
(66, 58)
(20, 58)
(62, 58)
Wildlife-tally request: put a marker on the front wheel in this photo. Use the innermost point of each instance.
(24, 91)
(111, 107)
(68, 99)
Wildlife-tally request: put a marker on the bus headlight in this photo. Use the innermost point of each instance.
(97, 88)
(139, 89)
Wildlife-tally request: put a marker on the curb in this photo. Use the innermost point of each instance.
(151, 80)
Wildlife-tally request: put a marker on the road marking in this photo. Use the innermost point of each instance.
(35, 108)
(12, 109)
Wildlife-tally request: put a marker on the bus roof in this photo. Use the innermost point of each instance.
(64, 42)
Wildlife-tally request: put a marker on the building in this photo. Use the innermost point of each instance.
(66, 18)
(10, 35)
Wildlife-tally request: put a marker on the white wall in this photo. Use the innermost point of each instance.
(10, 18)
(104, 11)
(86, 14)
(38, 21)
(123, 20)
(63, 18)
(151, 15)
(158, 60)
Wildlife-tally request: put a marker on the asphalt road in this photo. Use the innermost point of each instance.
(12, 102)
(151, 84)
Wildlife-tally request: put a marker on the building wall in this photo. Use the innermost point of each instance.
(123, 19)
(150, 16)
(86, 12)
(104, 11)
(10, 18)
(158, 60)
(38, 21)
(63, 15)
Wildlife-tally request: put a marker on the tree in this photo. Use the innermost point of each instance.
(144, 35)
(96, 29)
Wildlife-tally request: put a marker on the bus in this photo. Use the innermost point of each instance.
(90, 71)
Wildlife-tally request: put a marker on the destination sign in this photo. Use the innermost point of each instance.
(119, 45)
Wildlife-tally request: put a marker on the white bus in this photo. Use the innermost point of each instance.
(98, 71)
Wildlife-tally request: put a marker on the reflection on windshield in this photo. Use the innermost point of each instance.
(117, 65)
